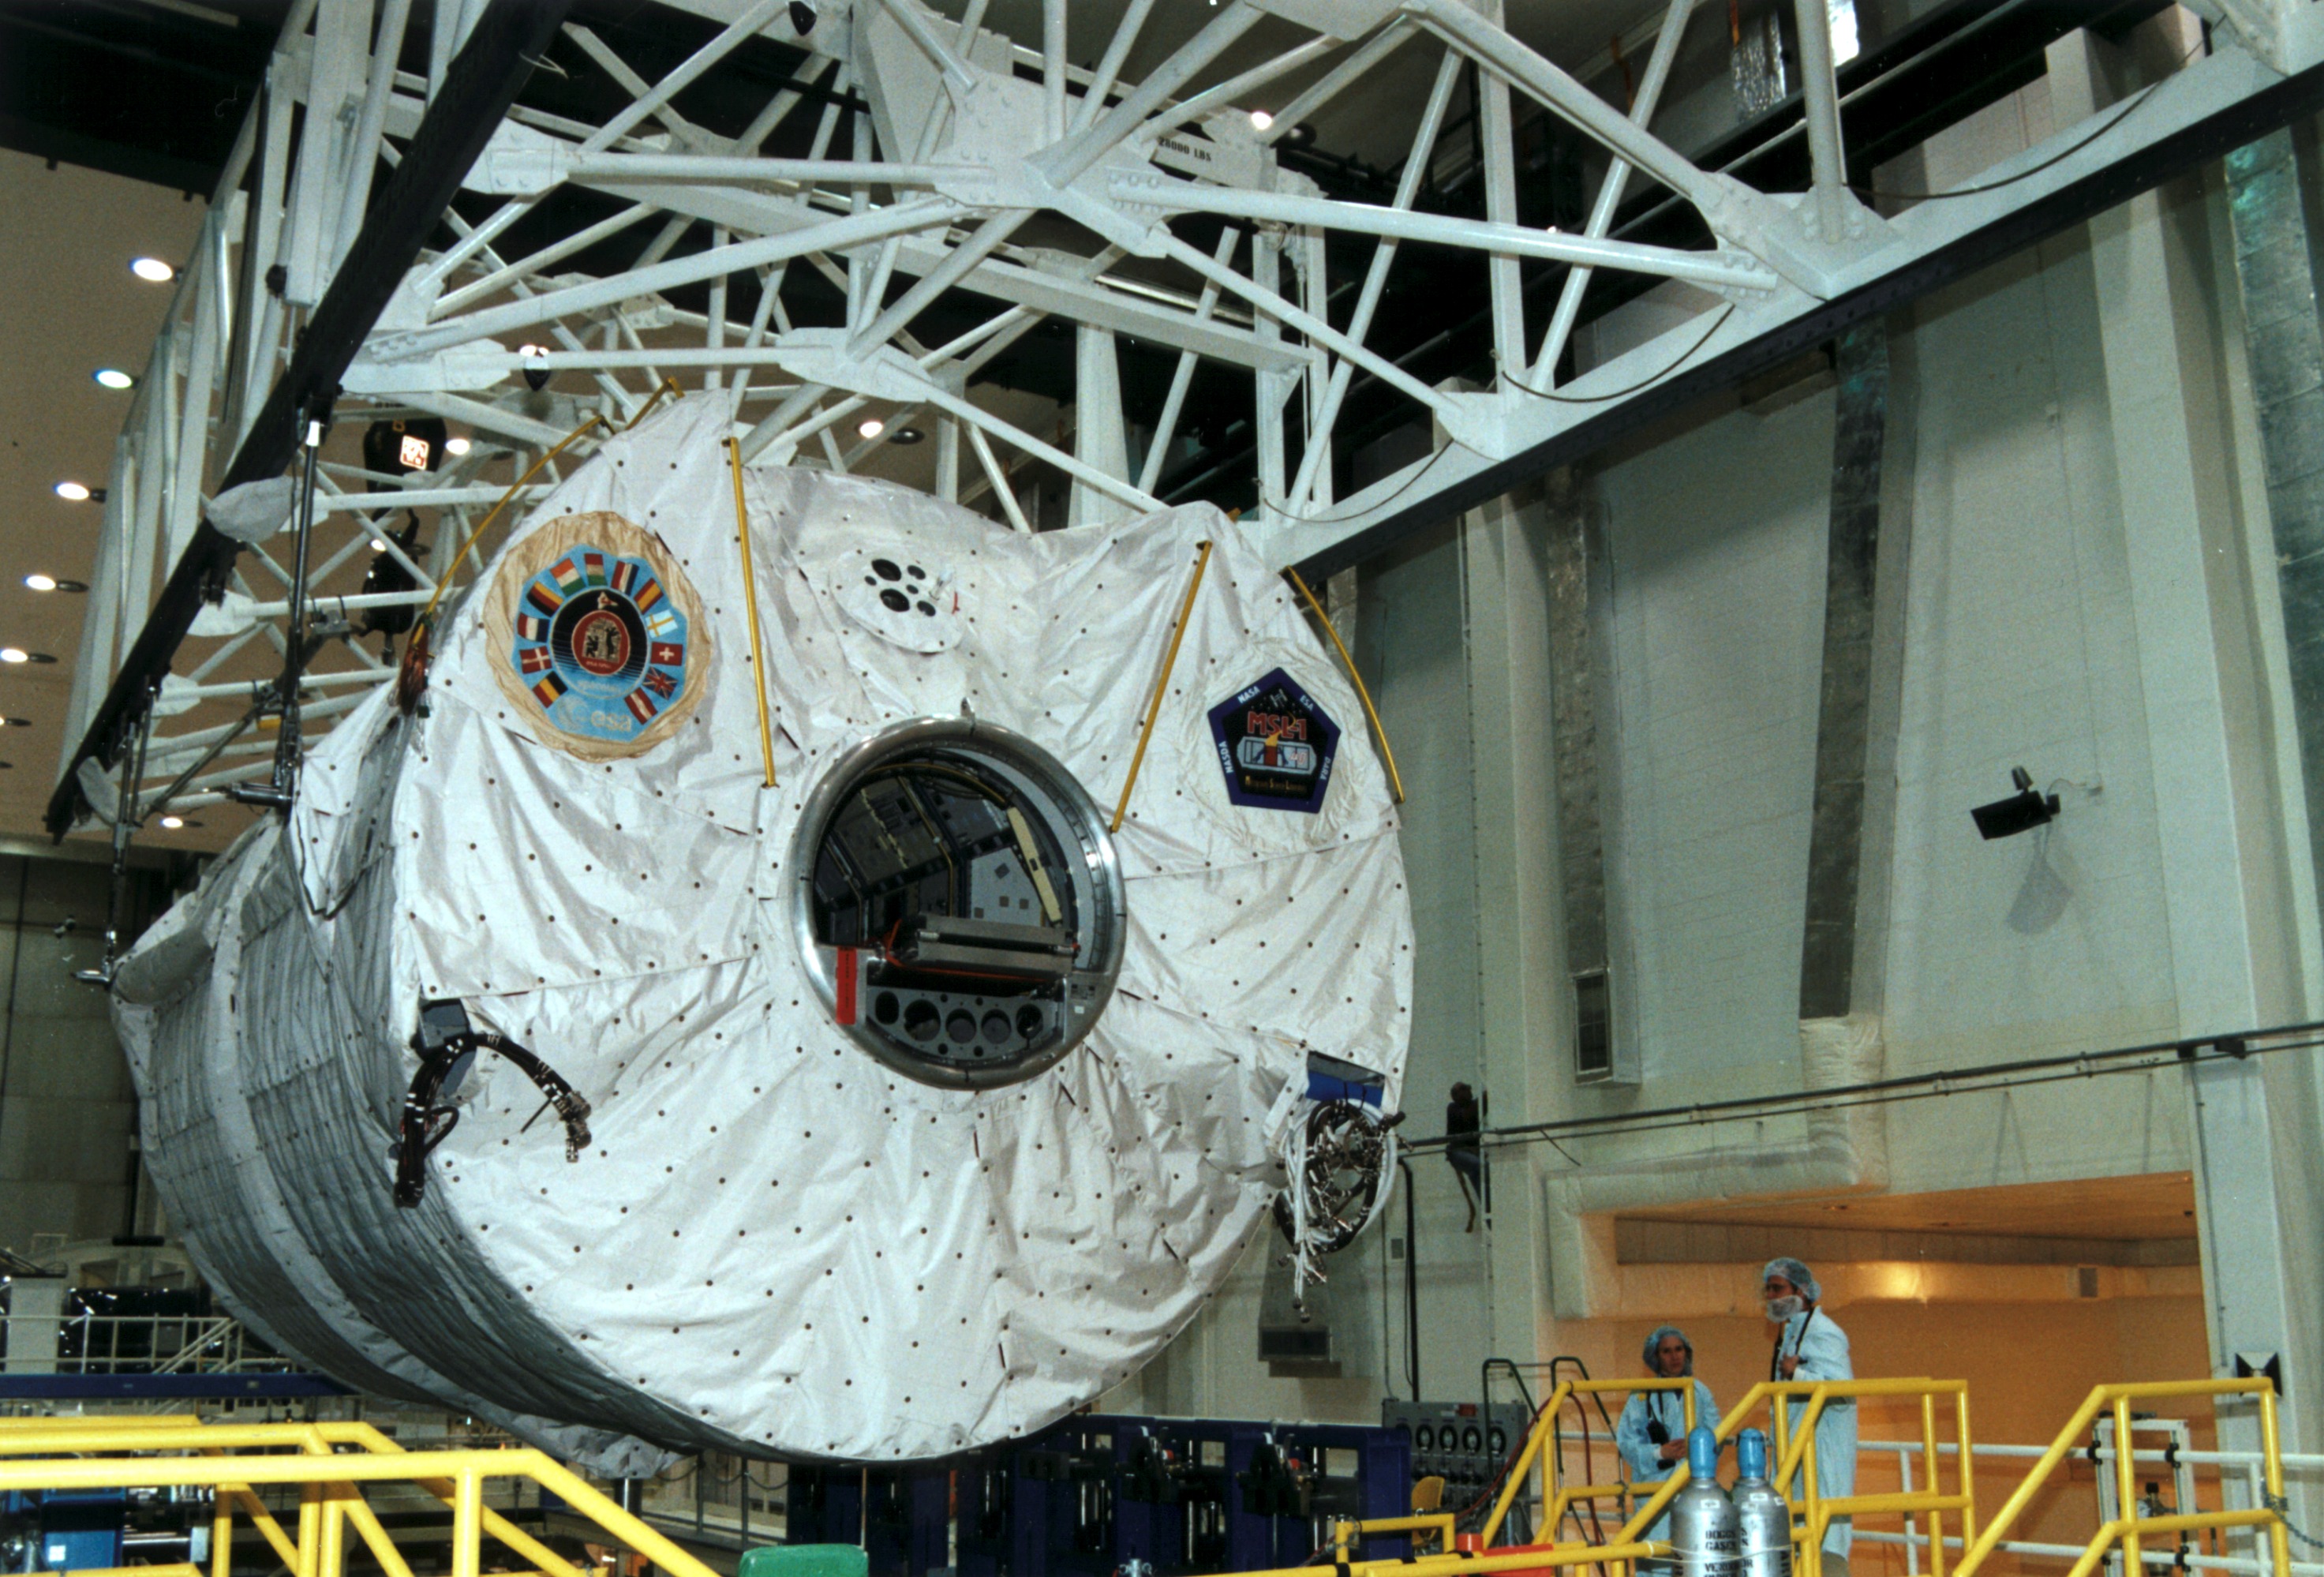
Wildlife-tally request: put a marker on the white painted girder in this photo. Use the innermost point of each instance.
(979, 150)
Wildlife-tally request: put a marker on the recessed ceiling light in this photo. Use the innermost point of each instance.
(906, 436)
(18, 654)
(1261, 120)
(872, 427)
(173, 821)
(73, 492)
(114, 378)
(456, 446)
(152, 270)
(41, 582)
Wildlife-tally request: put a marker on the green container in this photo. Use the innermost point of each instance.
(805, 1561)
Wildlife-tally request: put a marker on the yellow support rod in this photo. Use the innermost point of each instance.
(101, 1421)
(1543, 1421)
(1161, 687)
(331, 1558)
(2272, 1455)
(263, 1520)
(310, 1529)
(668, 386)
(374, 1536)
(750, 603)
(1395, 778)
(2069, 1440)
(468, 1519)
(124, 1473)
(222, 1537)
(1511, 1561)
(2122, 1530)
(515, 487)
(1439, 1523)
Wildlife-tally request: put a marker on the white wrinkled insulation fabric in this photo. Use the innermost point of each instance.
(775, 1244)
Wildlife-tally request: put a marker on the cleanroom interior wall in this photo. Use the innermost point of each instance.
(67, 1111)
(2018, 645)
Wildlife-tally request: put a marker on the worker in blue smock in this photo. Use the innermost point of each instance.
(1811, 1346)
(1651, 1432)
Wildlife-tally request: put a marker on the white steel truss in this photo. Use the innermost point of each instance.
(976, 169)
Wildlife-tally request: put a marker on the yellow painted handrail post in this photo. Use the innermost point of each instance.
(467, 1516)
(310, 1528)
(1811, 1547)
(1161, 687)
(2271, 1450)
(751, 606)
(1968, 1469)
(332, 1558)
(1387, 756)
(221, 1534)
(2125, 1488)
(1933, 1524)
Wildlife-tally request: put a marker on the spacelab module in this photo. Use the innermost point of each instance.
(547, 1064)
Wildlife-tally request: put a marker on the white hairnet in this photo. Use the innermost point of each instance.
(1798, 1275)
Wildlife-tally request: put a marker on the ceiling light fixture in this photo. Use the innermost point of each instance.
(14, 654)
(456, 446)
(173, 821)
(152, 270)
(536, 378)
(906, 436)
(1260, 120)
(872, 427)
(16, 723)
(73, 492)
(114, 378)
(42, 583)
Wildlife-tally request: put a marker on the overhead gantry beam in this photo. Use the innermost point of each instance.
(899, 170)
(482, 81)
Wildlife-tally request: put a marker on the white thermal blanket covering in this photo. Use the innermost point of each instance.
(775, 1244)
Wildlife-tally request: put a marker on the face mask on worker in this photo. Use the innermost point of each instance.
(1780, 1309)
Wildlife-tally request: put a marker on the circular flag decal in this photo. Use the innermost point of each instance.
(600, 635)
(1275, 744)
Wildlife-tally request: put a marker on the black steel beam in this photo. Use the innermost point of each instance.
(481, 83)
(2191, 145)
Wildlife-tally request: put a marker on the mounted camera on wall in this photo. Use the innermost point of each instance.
(2021, 812)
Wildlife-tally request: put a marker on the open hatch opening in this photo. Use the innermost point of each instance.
(960, 902)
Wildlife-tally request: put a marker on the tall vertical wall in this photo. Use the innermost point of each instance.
(2075, 575)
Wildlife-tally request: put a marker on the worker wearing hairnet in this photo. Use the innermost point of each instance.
(1810, 1346)
(1651, 1432)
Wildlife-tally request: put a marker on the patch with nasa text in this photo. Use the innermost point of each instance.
(601, 642)
(1275, 744)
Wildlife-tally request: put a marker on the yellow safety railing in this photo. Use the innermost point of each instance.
(1544, 1427)
(2130, 1530)
(329, 1464)
(1524, 1559)
(1792, 1448)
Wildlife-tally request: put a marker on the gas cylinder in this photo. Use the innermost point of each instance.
(1705, 1538)
(1763, 1517)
